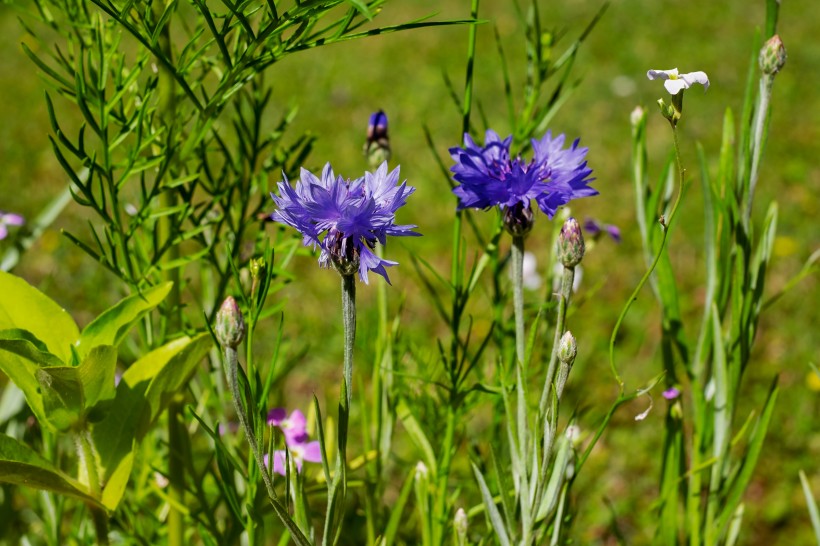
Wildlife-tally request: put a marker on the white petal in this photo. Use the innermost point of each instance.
(675, 86)
(696, 77)
(662, 74)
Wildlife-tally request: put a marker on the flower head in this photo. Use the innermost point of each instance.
(488, 176)
(299, 452)
(345, 218)
(9, 219)
(293, 426)
(675, 82)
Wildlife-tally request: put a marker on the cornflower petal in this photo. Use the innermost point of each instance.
(346, 218)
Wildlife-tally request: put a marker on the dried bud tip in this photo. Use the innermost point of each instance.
(230, 324)
(571, 243)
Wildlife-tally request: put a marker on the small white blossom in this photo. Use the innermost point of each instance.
(675, 82)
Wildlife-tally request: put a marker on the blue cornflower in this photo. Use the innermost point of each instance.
(345, 218)
(489, 177)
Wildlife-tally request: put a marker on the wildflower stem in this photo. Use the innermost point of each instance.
(88, 460)
(758, 140)
(666, 224)
(567, 280)
(517, 269)
(349, 318)
(232, 370)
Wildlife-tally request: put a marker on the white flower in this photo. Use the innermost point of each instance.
(676, 82)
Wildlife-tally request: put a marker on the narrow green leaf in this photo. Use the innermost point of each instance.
(23, 306)
(20, 465)
(814, 513)
(492, 509)
(397, 511)
(416, 432)
(741, 480)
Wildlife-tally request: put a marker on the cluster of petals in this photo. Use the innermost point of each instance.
(299, 446)
(345, 217)
(488, 176)
(596, 228)
(675, 82)
(9, 219)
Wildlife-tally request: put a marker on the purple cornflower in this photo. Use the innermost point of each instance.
(9, 219)
(596, 228)
(488, 176)
(345, 218)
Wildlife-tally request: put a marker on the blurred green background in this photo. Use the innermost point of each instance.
(337, 87)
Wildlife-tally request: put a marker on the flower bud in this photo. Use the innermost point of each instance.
(230, 324)
(460, 525)
(772, 56)
(518, 219)
(570, 244)
(257, 266)
(567, 348)
(377, 146)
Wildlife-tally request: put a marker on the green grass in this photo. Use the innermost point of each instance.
(337, 87)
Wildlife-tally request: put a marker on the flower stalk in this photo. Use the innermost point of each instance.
(517, 269)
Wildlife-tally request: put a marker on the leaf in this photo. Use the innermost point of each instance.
(62, 392)
(144, 391)
(417, 435)
(114, 323)
(492, 509)
(814, 514)
(21, 355)
(397, 510)
(96, 373)
(20, 465)
(23, 306)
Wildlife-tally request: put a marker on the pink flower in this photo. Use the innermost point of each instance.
(299, 452)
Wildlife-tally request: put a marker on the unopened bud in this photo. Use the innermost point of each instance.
(570, 243)
(772, 56)
(518, 219)
(567, 348)
(230, 324)
(460, 524)
(257, 266)
(377, 146)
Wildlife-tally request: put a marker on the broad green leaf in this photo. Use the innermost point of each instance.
(21, 355)
(113, 324)
(20, 465)
(24, 307)
(62, 392)
(96, 373)
(143, 392)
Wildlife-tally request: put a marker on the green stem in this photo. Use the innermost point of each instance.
(232, 370)
(349, 319)
(666, 225)
(439, 518)
(88, 460)
(758, 140)
(517, 270)
(567, 280)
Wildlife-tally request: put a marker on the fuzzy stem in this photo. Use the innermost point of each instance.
(517, 269)
(567, 280)
(233, 380)
(349, 319)
(758, 140)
